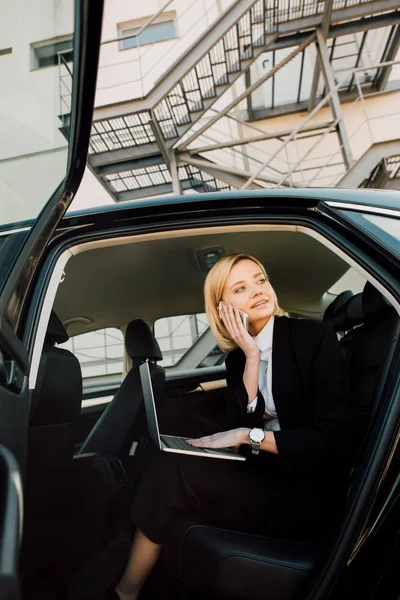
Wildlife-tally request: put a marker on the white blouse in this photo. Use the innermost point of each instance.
(264, 343)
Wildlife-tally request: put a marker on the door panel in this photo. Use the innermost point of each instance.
(20, 266)
(10, 524)
(20, 259)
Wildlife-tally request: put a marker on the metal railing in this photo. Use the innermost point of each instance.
(294, 160)
(315, 165)
(137, 72)
(144, 64)
(65, 84)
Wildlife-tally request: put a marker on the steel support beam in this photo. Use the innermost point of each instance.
(119, 167)
(159, 137)
(295, 132)
(124, 154)
(248, 91)
(258, 138)
(176, 186)
(148, 192)
(234, 180)
(201, 163)
(334, 99)
(390, 54)
(326, 21)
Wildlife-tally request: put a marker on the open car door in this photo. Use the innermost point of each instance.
(35, 160)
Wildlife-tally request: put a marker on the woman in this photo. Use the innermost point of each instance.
(287, 409)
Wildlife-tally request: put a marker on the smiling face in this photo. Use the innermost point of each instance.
(247, 288)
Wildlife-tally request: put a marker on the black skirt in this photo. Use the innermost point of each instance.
(255, 496)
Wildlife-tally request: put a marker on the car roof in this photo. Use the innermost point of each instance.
(388, 199)
(370, 197)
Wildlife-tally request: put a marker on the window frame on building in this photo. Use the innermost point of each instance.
(70, 345)
(179, 353)
(127, 30)
(54, 48)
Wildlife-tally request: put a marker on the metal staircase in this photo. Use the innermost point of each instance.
(378, 167)
(168, 141)
(386, 174)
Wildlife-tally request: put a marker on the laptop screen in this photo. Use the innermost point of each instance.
(149, 403)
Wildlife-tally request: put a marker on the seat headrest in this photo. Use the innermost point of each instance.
(348, 315)
(337, 304)
(140, 343)
(56, 333)
(372, 300)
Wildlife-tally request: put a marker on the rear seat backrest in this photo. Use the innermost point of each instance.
(345, 314)
(113, 433)
(371, 326)
(55, 410)
(369, 352)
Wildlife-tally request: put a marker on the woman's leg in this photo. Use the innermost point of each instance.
(172, 484)
(143, 557)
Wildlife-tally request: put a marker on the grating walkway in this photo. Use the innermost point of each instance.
(157, 180)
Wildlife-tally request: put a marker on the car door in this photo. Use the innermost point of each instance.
(372, 221)
(41, 151)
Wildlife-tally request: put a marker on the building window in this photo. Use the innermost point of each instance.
(178, 335)
(99, 352)
(5, 51)
(163, 28)
(46, 54)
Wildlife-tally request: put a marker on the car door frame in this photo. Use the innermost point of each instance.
(19, 269)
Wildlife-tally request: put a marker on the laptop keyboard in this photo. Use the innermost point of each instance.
(179, 444)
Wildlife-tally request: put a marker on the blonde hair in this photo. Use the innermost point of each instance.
(213, 288)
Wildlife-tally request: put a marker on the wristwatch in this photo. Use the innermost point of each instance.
(256, 436)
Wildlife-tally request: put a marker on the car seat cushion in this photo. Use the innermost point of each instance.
(238, 565)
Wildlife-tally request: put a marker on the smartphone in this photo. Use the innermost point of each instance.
(244, 316)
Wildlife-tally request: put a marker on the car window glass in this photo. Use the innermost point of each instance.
(385, 230)
(100, 352)
(390, 225)
(36, 67)
(178, 336)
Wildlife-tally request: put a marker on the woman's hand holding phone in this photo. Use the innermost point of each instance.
(233, 322)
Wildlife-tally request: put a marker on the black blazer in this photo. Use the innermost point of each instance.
(311, 394)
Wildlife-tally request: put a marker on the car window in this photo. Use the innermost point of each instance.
(384, 229)
(186, 341)
(100, 352)
(389, 225)
(36, 68)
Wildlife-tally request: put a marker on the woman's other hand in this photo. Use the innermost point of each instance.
(223, 439)
(233, 322)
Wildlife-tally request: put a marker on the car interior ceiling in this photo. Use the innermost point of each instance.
(82, 495)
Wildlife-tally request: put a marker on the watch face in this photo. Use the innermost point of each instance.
(257, 435)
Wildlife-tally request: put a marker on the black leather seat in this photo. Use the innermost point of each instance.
(366, 348)
(55, 410)
(333, 311)
(123, 420)
(247, 567)
(345, 314)
(237, 565)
